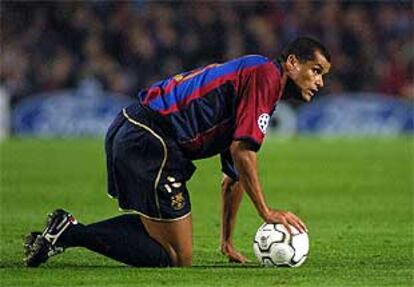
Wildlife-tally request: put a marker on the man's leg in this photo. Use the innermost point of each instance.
(174, 236)
(123, 238)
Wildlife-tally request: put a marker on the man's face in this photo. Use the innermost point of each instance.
(307, 75)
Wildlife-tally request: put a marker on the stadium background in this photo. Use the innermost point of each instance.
(118, 47)
(67, 67)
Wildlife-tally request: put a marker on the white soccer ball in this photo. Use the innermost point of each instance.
(274, 246)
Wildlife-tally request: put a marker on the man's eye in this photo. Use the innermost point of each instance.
(317, 71)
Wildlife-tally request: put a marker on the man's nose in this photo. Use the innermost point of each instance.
(319, 82)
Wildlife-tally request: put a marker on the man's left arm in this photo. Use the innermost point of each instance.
(232, 194)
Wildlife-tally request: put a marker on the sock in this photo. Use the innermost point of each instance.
(122, 238)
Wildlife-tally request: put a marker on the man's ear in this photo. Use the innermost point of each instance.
(292, 63)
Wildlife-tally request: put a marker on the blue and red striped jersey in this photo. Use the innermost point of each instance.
(209, 107)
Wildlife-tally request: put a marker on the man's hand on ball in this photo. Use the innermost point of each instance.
(285, 218)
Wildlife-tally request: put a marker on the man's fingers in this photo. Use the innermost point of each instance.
(300, 222)
(298, 226)
(288, 219)
(233, 255)
(297, 223)
(237, 257)
(286, 225)
(305, 229)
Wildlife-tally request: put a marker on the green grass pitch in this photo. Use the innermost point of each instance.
(356, 196)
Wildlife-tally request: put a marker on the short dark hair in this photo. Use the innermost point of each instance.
(304, 49)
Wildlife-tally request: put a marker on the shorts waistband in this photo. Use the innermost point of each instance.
(138, 110)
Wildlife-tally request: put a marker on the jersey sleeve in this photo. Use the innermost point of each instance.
(259, 93)
(227, 165)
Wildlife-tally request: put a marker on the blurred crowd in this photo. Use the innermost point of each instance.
(125, 46)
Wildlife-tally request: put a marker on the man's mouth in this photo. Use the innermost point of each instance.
(312, 92)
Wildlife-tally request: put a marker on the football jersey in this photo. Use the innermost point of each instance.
(209, 107)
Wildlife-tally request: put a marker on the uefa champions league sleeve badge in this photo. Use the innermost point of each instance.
(263, 122)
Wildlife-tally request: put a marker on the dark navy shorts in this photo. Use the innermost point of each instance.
(146, 169)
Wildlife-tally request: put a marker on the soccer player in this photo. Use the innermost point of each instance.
(217, 109)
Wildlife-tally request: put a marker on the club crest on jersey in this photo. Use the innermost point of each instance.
(263, 122)
(177, 201)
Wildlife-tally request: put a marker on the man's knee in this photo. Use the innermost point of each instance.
(184, 258)
(175, 237)
(178, 257)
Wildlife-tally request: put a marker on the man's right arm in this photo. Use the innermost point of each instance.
(245, 161)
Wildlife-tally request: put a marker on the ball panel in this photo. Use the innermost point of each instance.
(282, 228)
(298, 263)
(266, 235)
(281, 253)
(268, 262)
(300, 243)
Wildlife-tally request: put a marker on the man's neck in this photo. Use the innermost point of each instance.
(283, 81)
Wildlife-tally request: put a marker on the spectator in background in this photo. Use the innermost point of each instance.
(57, 45)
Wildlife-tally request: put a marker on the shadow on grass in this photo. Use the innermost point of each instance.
(62, 265)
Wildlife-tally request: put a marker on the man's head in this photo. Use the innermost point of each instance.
(305, 61)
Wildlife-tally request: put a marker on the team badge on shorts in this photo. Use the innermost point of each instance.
(263, 122)
(177, 201)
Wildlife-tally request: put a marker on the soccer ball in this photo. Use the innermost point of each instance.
(274, 246)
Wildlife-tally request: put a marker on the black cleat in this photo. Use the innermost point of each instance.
(39, 247)
(29, 241)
